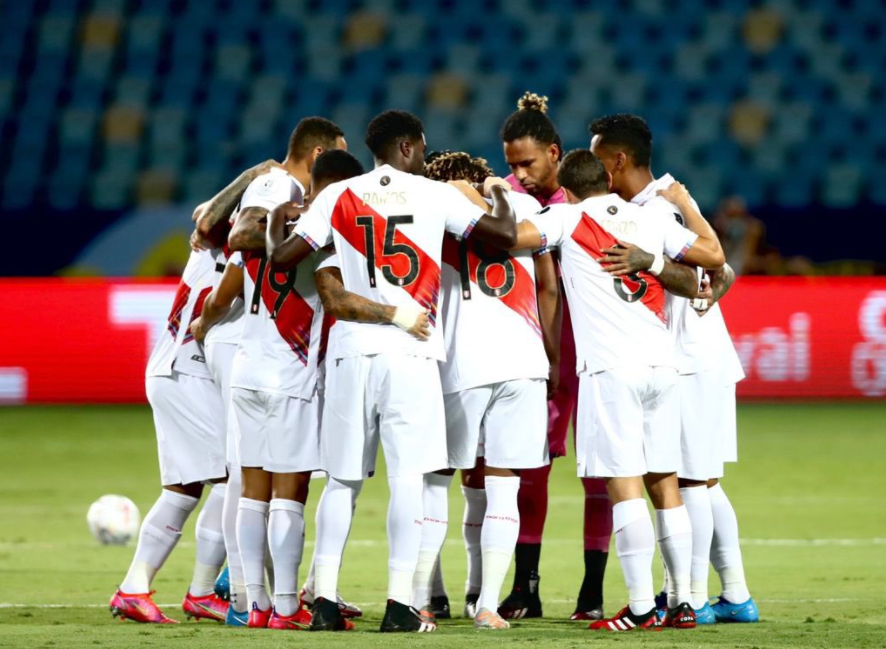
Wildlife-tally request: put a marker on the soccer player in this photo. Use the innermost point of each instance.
(274, 384)
(627, 414)
(533, 150)
(383, 384)
(494, 390)
(187, 408)
(709, 370)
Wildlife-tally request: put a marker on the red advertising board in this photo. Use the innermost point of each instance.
(87, 341)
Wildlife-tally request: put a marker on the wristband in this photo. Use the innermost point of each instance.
(700, 304)
(406, 315)
(658, 265)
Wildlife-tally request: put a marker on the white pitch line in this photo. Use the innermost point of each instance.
(372, 543)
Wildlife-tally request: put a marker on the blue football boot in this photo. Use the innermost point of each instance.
(661, 605)
(705, 615)
(223, 585)
(234, 618)
(726, 611)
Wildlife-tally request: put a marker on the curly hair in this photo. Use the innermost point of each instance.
(531, 120)
(458, 165)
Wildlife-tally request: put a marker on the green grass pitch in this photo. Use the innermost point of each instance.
(809, 492)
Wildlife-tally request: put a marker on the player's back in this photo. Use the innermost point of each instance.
(491, 325)
(176, 346)
(701, 342)
(617, 320)
(387, 227)
(279, 344)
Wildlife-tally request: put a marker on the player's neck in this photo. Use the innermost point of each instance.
(547, 192)
(298, 169)
(635, 182)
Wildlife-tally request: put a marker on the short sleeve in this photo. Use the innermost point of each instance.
(677, 238)
(270, 190)
(315, 225)
(460, 213)
(236, 259)
(549, 223)
(330, 260)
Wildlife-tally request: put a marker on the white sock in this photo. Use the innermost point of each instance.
(498, 538)
(438, 588)
(698, 504)
(252, 536)
(435, 504)
(675, 542)
(210, 543)
(725, 550)
(405, 515)
(286, 539)
(160, 531)
(472, 526)
(229, 525)
(334, 515)
(635, 547)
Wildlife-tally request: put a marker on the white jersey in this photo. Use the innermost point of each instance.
(177, 349)
(228, 329)
(280, 342)
(387, 227)
(703, 343)
(618, 321)
(490, 312)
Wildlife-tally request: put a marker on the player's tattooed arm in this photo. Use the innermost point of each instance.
(248, 231)
(721, 281)
(706, 251)
(344, 305)
(222, 205)
(285, 249)
(627, 259)
(712, 290)
(550, 314)
(219, 301)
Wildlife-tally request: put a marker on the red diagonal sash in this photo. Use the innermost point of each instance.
(294, 317)
(425, 289)
(521, 298)
(591, 236)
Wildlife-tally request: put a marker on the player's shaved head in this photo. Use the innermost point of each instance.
(629, 134)
(457, 165)
(396, 137)
(583, 174)
(312, 133)
(331, 167)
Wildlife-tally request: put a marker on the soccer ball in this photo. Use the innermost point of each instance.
(113, 520)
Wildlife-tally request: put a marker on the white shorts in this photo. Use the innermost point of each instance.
(506, 423)
(278, 433)
(395, 398)
(729, 432)
(707, 425)
(190, 428)
(628, 422)
(220, 360)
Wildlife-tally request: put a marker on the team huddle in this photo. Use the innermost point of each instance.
(461, 321)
